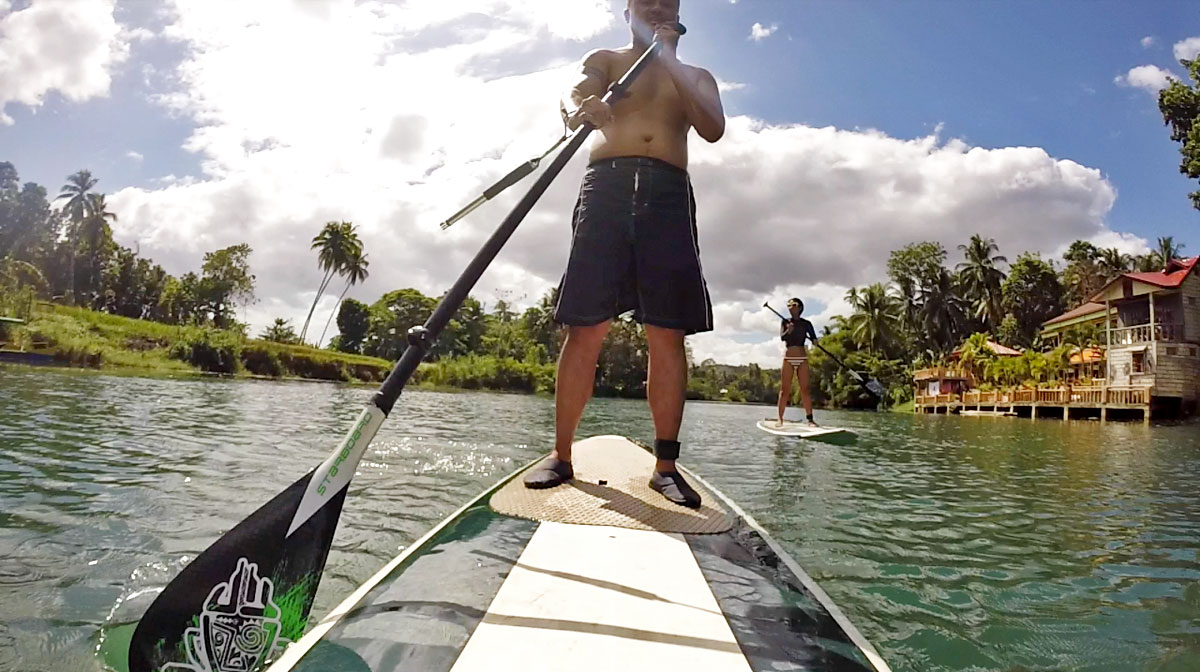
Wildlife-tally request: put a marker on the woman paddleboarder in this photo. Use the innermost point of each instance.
(793, 332)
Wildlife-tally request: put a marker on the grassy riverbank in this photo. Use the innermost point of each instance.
(81, 337)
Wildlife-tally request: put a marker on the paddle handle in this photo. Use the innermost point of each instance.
(421, 338)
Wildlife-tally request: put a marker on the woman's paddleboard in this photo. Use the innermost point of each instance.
(802, 430)
(600, 573)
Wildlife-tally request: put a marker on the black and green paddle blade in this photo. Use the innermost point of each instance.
(244, 598)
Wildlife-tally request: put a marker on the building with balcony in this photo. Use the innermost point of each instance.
(1153, 340)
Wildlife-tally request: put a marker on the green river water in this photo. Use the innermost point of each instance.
(953, 543)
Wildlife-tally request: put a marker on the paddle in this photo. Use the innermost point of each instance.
(873, 386)
(249, 594)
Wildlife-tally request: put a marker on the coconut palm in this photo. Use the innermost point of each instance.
(97, 235)
(1167, 250)
(77, 190)
(337, 243)
(943, 311)
(1113, 263)
(876, 319)
(981, 279)
(355, 271)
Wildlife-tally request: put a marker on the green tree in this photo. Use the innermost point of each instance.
(1032, 295)
(980, 279)
(1167, 250)
(280, 331)
(943, 312)
(336, 245)
(77, 191)
(226, 282)
(1179, 104)
(876, 320)
(354, 319)
(99, 247)
(1083, 276)
(355, 271)
(391, 318)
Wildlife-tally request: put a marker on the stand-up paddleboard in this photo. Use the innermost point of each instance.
(802, 430)
(600, 573)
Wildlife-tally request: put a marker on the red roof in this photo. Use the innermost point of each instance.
(1172, 276)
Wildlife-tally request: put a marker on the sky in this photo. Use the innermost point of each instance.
(853, 128)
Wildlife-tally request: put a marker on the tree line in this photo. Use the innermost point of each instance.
(68, 253)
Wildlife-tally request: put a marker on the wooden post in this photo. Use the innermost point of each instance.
(1153, 331)
(1066, 412)
(1107, 342)
(1033, 411)
(1104, 414)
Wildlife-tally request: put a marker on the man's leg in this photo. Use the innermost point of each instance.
(667, 385)
(574, 383)
(572, 389)
(667, 393)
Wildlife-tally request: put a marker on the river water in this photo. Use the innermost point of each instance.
(953, 543)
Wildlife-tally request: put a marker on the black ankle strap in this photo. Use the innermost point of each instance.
(665, 449)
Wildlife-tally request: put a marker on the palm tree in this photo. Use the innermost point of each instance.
(1167, 250)
(1113, 263)
(77, 190)
(943, 311)
(876, 317)
(337, 243)
(355, 271)
(97, 234)
(981, 279)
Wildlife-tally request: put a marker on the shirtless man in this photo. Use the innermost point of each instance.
(634, 245)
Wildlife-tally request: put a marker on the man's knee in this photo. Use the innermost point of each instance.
(589, 337)
(661, 338)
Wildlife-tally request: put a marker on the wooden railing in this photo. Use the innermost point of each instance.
(941, 372)
(1085, 395)
(1145, 333)
(1139, 396)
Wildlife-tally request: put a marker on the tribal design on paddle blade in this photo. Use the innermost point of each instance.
(238, 629)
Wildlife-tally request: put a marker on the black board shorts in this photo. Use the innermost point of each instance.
(634, 247)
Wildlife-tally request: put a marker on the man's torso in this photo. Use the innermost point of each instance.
(650, 121)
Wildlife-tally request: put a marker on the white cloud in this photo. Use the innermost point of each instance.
(1148, 41)
(69, 46)
(1146, 77)
(393, 117)
(136, 156)
(1187, 50)
(724, 86)
(759, 32)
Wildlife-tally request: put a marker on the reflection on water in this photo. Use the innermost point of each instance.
(954, 543)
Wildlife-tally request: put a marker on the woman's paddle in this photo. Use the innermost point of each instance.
(249, 594)
(873, 386)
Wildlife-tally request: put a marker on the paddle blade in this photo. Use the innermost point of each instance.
(877, 388)
(246, 597)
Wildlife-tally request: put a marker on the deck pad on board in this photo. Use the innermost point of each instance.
(611, 487)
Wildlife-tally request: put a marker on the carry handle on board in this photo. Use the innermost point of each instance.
(249, 594)
(873, 386)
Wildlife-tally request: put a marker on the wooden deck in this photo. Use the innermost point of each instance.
(1063, 401)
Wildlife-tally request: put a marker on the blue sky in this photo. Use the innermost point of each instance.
(854, 127)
